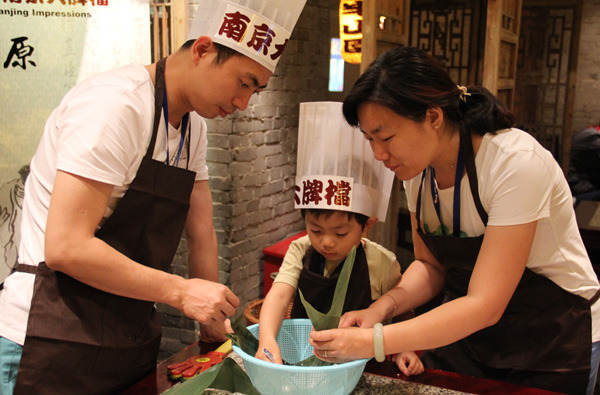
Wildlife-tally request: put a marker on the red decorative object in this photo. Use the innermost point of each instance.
(273, 257)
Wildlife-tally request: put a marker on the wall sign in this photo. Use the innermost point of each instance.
(46, 47)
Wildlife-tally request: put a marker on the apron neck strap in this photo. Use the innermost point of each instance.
(159, 88)
(460, 166)
(467, 146)
(466, 149)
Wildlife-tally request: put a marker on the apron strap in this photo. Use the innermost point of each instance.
(467, 145)
(159, 87)
(19, 267)
(469, 156)
(25, 268)
(595, 298)
(419, 199)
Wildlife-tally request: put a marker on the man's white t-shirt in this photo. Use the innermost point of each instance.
(101, 131)
(520, 182)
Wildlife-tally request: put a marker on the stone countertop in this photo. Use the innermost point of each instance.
(370, 384)
(378, 385)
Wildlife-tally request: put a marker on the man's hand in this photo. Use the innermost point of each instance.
(215, 333)
(207, 302)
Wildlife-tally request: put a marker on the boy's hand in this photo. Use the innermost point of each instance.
(269, 352)
(409, 363)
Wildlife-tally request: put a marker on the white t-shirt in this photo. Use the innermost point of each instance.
(100, 131)
(520, 182)
(384, 269)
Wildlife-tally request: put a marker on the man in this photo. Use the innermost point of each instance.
(119, 172)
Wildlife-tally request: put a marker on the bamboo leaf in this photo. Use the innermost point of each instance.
(331, 319)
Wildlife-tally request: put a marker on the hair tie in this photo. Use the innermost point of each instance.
(463, 93)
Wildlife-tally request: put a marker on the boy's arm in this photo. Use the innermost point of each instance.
(279, 297)
(272, 314)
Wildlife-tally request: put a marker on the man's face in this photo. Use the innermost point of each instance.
(221, 89)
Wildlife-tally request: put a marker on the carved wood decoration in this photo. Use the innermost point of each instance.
(450, 32)
(547, 66)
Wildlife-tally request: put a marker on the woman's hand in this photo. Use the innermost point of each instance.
(365, 318)
(342, 345)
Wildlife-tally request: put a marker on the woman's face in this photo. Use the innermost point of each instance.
(403, 145)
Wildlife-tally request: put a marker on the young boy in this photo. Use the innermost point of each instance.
(343, 191)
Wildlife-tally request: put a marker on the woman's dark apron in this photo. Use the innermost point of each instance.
(542, 340)
(319, 290)
(83, 340)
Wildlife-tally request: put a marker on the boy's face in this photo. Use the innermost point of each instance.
(333, 236)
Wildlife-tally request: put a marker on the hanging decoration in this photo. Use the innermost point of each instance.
(351, 30)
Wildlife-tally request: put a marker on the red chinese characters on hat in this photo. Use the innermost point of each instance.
(337, 194)
(263, 37)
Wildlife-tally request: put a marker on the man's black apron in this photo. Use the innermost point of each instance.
(83, 340)
(542, 340)
(319, 290)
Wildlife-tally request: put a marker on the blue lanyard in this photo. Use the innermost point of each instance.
(184, 122)
(460, 165)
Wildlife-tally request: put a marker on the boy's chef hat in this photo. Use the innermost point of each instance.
(336, 169)
(259, 29)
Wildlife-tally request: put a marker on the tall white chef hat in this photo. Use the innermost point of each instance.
(336, 169)
(259, 29)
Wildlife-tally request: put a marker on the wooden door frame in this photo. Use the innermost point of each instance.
(176, 12)
(495, 35)
(371, 34)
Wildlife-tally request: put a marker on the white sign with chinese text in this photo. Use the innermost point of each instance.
(46, 47)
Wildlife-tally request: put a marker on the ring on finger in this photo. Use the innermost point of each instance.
(325, 353)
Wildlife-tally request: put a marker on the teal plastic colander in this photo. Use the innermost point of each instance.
(271, 378)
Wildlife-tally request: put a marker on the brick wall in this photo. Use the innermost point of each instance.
(252, 165)
(587, 93)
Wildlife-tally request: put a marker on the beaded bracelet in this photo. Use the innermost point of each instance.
(378, 342)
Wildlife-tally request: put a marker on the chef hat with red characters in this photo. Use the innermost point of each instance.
(259, 29)
(336, 169)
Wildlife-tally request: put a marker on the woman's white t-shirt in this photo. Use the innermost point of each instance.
(520, 182)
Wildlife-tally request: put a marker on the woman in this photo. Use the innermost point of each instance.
(493, 228)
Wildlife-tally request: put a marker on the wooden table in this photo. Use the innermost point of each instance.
(157, 381)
